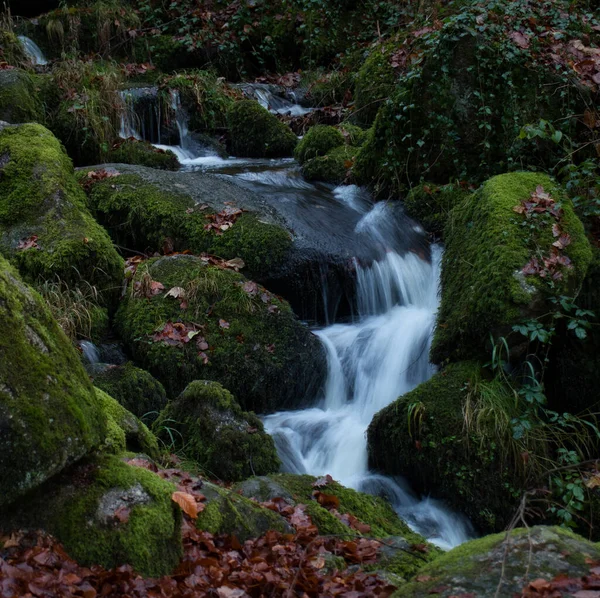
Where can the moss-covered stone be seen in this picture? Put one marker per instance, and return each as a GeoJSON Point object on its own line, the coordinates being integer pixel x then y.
{"type": "Point", "coordinates": [45, 227]}
{"type": "Point", "coordinates": [319, 140]}
{"type": "Point", "coordinates": [432, 447]}
{"type": "Point", "coordinates": [256, 347]}
{"type": "Point", "coordinates": [19, 102]}
{"type": "Point", "coordinates": [142, 216]}
{"type": "Point", "coordinates": [334, 167]}
{"type": "Point", "coordinates": [124, 430]}
{"type": "Point", "coordinates": [105, 512]}
{"type": "Point", "coordinates": [256, 133]}
{"type": "Point", "coordinates": [488, 245]}
{"type": "Point", "coordinates": [375, 82]}
{"type": "Point", "coordinates": [439, 124]}
{"type": "Point", "coordinates": [209, 426]}
{"type": "Point", "coordinates": [226, 512]}
{"type": "Point", "coordinates": [431, 204]}
{"type": "Point", "coordinates": [135, 389]}
{"type": "Point", "coordinates": [132, 151]}
{"type": "Point", "coordinates": [49, 414]}
{"type": "Point", "coordinates": [353, 134]}
{"type": "Point", "coordinates": [503, 564]}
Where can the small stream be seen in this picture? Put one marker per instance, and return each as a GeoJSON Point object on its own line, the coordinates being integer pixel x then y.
{"type": "Point", "coordinates": [377, 353]}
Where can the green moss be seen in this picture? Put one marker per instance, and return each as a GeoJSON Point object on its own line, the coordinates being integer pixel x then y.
{"type": "Point", "coordinates": [208, 426]}
{"type": "Point", "coordinates": [319, 140]}
{"type": "Point", "coordinates": [19, 102]}
{"type": "Point", "coordinates": [40, 197]}
{"type": "Point", "coordinates": [229, 513]}
{"type": "Point", "coordinates": [45, 394]}
{"type": "Point", "coordinates": [125, 430]}
{"type": "Point", "coordinates": [141, 216]}
{"type": "Point", "coordinates": [255, 133]}
{"type": "Point", "coordinates": [431, 205]}
{"type": "Point", "coordinates": [325, 89]}
{"type": "Point", "coordinates": [334, 167]}
{"type": "Point", "coordinates": [144, 154]}
{"type": "Point", "coordinates": [487, 246]}
{"type": "Point", "coordinates": [375, 81]}
{"type": "Point", "coordinates": [82, 509]}
{"type": "Point", "coordinates": [470, 468]}
{"type": "Point", "coordinates": [265, 357]}
{"type": "Point", "coordinates": [11, 50]}
{"type": "Point", "coordinates": [135, 389]}
{"type": "Point", "coordinates": [503, 563]}
{"type": "Point", "coordinates": [206, 98]}
{"type": "Point", "coordinates": [354, 135]}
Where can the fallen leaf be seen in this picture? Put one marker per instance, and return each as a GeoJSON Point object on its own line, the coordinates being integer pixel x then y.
{"type": "Point", "coordinates": [187, 502]}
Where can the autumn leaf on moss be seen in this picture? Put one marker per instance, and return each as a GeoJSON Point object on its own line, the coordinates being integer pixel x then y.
{"type": "Point", "coordinates": [187, 503]}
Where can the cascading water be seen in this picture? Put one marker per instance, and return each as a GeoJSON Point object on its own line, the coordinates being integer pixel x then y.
{"type": "Point", "coordinates": [264, 95]}
{"type": "Point", "coordinates": [33, 51]}
{"type": "Point", "coordinates": [372, 361]}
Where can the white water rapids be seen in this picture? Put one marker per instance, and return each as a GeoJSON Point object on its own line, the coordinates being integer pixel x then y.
{"type": "Point", "coordinates": [371, 362]}
{"type": "Point", "coordinates": [32, 50]}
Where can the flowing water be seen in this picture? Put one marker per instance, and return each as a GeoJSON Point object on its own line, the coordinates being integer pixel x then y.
{"type": "Point", "coordinates": [380, 354]}
{"type": "Point", "coordinates": [33, 51]}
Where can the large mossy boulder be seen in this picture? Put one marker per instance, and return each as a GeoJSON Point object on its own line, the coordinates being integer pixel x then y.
{"type": "Point", "coordinates": [445, 454]}
{"type": "Point", "coordinates": [227, 512]}
{"type": "Point", "coordinates": [334, 167]}
{"type": "Point", "coordinates": [256, 133]}
{"type": "Point", "coordinates": [19, 102]}
{"type": "Point", "coordinates": [219, 326]}
{"type": "Point", "coordinates": [135, 389]}
{"type": "Point", "coordinates": [106, 512]}
{"type": "Point", "coordinates": [45, 227]}
{"type": "Point", "coordinates": [510, 247]}
{"type": "Point", "coordinates": [124, 431]}
{"type": "Point", "coordinates": [439, 124]}
{"type": "Point", "coordinates": [505, 564]}
{"type": "Point", "coordinates": [49, 413]}
{"type": "Point", "coordinates": [319, 140]}
{"type": "Point", "coordinates": [144, 216]}
{"type": "Point", "coordinates": [208, 426]}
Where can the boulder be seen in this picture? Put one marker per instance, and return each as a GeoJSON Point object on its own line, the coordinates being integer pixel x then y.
{"type": "Point", "coordinates": [505, 564]}
{"type": "Point", "coordinates": [219, 326]}
{"type": "Point", "coordinates": [334, 167]}
{"type": "Point", "coordinates": [135, 389]}
{"type": "Point", "coordinates": [45, 227]}
{"type": "Point", "coordinates": [504, 260]}
{"type": "Point", "coordinates": [319, 140]}
{"type": "Point", "coordinates": [132, 151]}
{"type": "Point", "coordinates": [207, 425]}
{"type": "Point", "coordinates": [19, 102]}
{"type": "Point", "coordinates": [49, 414]}
{"type": "Point", "coordinates": [469, 467]}
{"type": "Point", "coordinates": [256, 133]}
{"type": "Point", "coordinates": [141, 214]}
{"type": "Point", "coordinates": [124, 430]}
{"type": "Point", "coordinates": [106, 512]}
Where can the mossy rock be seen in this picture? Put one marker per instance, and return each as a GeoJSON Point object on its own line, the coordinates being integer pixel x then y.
{"type": "Point", "coordinates": [11, 51]}
{"type": "Point", "coordinates": [433, 449]}
{"type": "Point", "coordinates": [256, 133]}
{"type": "Point", "coordinates": [257, 348]}
{"type": "Point", "coordinates": [105, 512]}
{"type": "Point", "coordinates": [132, 151]}
{"type": "Point", "coordinates": [227, 512]}
{"type": "Point", "coordinates": [19, 102]}
{"type": "Point", "coordinates": [125, 432]}
{"type": "Point", "coordinates": [319, 140]}
{"type": "Point", "coordinates": [45, 227]}
{"type": "Point", "coordinates": [504, 564]}
{"type": "Point", "coordinates": [49, 414]}
{"type": "Point", "coordinates": [209, 427]}
{"type": "Point", "coordinates": [484, 288]}
{"type": "Point", "coordinates": [135, 389]}
{"type": "Point", "coordinates": [437, 124]}
{"type": "Point", "coordinates": [385, 524]}
{"type": "Point", "coordinates": [141, 215]}
{"type": "Point", "coordinates": [431, 204]}
{"type": "Point", "coordinates": [334, 167]}
{"type": "Point", "coordinates": [375, 81]}
{"type": "Point", "coordinates": [354, 135]}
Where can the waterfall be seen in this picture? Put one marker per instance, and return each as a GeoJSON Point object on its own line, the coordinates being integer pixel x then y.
{"type": "Point", "coordinates": [90, 352]}
{"type": "Point", "coordinates": [372, 361]}
{"type": "Point", "coordinates": [141, 115]}
{"type": "Point", "coordinates": [33, 51]}
{"type": "Point", "coordinates": [263, 94]}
